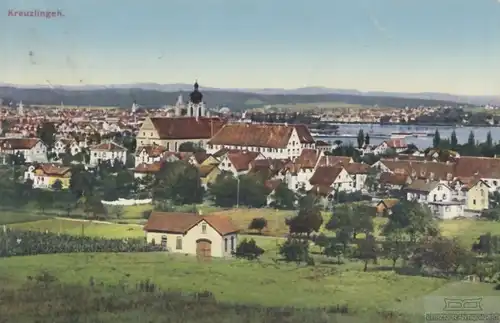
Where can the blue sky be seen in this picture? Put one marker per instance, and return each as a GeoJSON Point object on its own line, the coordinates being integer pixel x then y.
{"type": "Point", "coordinates": [448, 46]}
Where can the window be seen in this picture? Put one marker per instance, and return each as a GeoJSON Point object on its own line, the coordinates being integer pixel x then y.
{"type": "Point", "coordinates": [178, 244]}
{"type": "Point", "coordinates": [232, 243]}
{"type": "Point", "coordinates": [144, 134]}
{"type": "Point", "coordinates": [204, 228]}
{"type": "Point", "coordinates": [482, 192]}
{"type": "Point", "coordinates": [444, 196]}
{"type": "Point", "coordinates": [228, 164]}
{"type": "Point", "coordinates": [164, 242]}
{"type": "Point", "coordinates": [153, 242]}
{"type": "Point", "coordinates": [447, 209]}
{"type": "Point", "coordinates": [225, 244]}
{"type": "Point", "coordinates": [474, 202]}
{"type": "Point", "coordinates": [495, 183]}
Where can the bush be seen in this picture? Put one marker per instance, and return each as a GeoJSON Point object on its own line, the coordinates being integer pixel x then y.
{"type": "Point", "coordinates": [23, 243]}
{"type": "Point", "coordinates": [248, 249]}
{"type": "Point", "coordinates": [146, 214]}
{"type": "Point", "coordinates": [258, 224]}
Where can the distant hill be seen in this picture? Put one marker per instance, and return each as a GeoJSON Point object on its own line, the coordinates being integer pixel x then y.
{"type": "Point", "coordinates": [157, 95]}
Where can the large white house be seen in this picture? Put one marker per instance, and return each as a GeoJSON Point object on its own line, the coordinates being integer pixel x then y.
{"type": "Point", "coordinates": [107, 151]}
{"type": "Point", "coordinates": [190, 233]}
{"type": "Point", "coordinates": [276, 141]}
{"type": "Point", "coordinates": [33, 149]}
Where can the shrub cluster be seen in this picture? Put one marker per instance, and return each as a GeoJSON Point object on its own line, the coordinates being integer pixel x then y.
{"type": "Point", "coordinates": [24, 243]}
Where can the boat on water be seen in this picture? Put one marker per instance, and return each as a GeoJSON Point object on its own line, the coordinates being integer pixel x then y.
{"type": "Point", "coordinates": [401, 135]}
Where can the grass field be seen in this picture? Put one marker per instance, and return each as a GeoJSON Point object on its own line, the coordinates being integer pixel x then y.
{"type": "Point", "coordinates": [232, 281]}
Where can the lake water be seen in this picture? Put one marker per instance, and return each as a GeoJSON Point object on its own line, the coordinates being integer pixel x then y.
{"type": "Point", "coordinates": [480, 133]}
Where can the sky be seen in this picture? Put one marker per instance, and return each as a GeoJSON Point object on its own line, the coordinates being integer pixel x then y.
{"type": "Point", "coordinates": [448, 46]}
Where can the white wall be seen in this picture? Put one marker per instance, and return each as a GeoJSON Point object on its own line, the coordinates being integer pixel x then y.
{"type": "Point", "coordinates": [190, 238]}
{"type": "Point", "coordinates": [125, 202]}
{"type": "Point", "coordinates": [95, 155]}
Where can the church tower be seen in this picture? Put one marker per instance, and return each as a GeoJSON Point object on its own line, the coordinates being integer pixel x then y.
{"type": "Point", "coordinates": [196, 106]}
{"type": "Point", "coordinates": [179, 106]}
{"type": "Point", "coordinates": [20, 109]}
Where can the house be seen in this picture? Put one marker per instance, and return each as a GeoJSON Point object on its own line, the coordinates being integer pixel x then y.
{"type": "Point", "coordinates": [359, 173]}
{"type": "Point", "coordinates": [33, 149]}
{"type": "Point", "coordinates": [190, 233]}
{"type": "Point", "coordinates": [335, 178]}
{"type": "Point", "coordinates": [272, 185]}
{"type": "Point", "coordinates": [299, 173]}
{"type": "Point", "coordinates": [45, 175]}
{"type": "Point", "coordinates": [393, 181]}
{"type": "Point", "coordinates": [485, 168]}
{"type": "Point", "coordinates": [447, 210]}
{"type": "Point", "coordinates": [238, 162]}
{"type": "Point", "coordinates": [143, 170]}
{"type": "Point", "coordinates": [323, 146]}
{"type": "Point", "coordinates": [397, 144]}
{"type": "Point", "coordinates": [386, 205]}
{"type": "Point", "coordinates": [107, 152]}
{"type": "Point", "coordinates": [477, 195]}
{"type": "Point", "coordinates": [208, 174]}
{"type": "Point", "coordinates": [149, 154]}
{"type": "Point", "coordinates": [277, 141]}
{"type": "Point", "coordinates": [198, 158]}
{"type": "Point", "coordinates": [173, 132]}
{"type": "Point", "coordinates": [419, 190]}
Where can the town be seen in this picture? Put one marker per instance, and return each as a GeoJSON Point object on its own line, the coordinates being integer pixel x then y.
{"type": "Point", "coordinates": [223, 191]}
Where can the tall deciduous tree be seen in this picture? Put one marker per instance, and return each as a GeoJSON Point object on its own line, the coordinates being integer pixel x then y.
{"type": "Point", "coordinates": [309, 217]}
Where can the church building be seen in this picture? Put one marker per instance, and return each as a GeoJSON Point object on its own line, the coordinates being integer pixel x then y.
{"type": "Point", "coordinates": [190, 123]}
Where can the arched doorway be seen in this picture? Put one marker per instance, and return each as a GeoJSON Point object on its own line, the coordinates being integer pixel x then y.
{"type": "Point", "coordinates": [203, 248]}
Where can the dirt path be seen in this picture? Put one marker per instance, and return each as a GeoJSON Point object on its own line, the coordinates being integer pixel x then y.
{"type": "Point", "coordinates": [96, 221]}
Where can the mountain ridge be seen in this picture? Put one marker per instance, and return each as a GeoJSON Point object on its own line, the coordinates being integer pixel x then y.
{"type": "Point", "coordinates": [309, 90]}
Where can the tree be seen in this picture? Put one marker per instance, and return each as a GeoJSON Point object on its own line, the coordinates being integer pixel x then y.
{"type": "Point", "coordinates": [491, 214]}
{"type": "Point", "coordinates": [335, 248]}
{"type": "Point", "coordinates": [352, 218]}
{"type": "Point", "coordinates": [309, 217]}
{"type": "Point", "coordinates": [396, 247]}
{"type": "Point", "coordinates": [284, 198]}
{"type": "Point", "coordinates": [412, 219]}
{"type": "Point", "coordinates": [248, 190]}
{"type": "Point", "coordinates": [440, 253]}
{"type": "Point", "coordinates": [471, 142]}
{"type": "Point", "coordinates": [295, 250]}
{"type": "Point", "coordinates": [437, 139]}
{"type": "Point", "coordinates": [487, 244]}
{"type": "Point", "coordinates": [453, 140]}
{"type": "Point", "coordinates": [44, 200]}
{"type": "Point", "coordinates": [361, 138]}
{"type": "Point", "coordinates": [47, 133]}
{"type": "Point", "coordinates": [190, 147]}
{"type": "Point", "coordinates": [179, 182]}
{"type": "Point", "coordinates": [117, 210]}
{"type": "Point", "coordinates": [367, 250]}
{"type": "Point", "coordinates": [258, 224]}
{"type": "Point", "coordinates": [489, 141]}
{"type": "Point", "coordinates": [57, 185]}
{"type": "Point", "coordinates": [367, 139]}
{"type": "Point", "coordinates": [93, 205]}
{"type": "Point", "coordinates": [248, 249]}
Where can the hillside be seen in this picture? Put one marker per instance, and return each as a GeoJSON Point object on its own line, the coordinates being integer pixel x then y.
{"type": "Point", "coordinates": [235, 100]}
